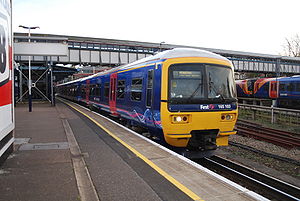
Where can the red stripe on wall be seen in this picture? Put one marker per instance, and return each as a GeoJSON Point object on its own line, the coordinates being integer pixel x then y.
{"type": "Point", "coordinates": [6, 94]}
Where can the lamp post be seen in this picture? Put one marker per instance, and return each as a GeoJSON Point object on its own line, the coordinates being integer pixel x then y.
{"type": "Point", "coordinates": [29, 69]}
{"type": "Point", "coordinates": [160, 45]}
{"type": "Point", "coordinates": [277, 71]}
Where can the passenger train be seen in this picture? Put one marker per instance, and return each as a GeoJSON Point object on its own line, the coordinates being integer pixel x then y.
{"type": "Point", "coordinates": [286, 90]}
{"type": "Point", "coordinates": [185, 98]}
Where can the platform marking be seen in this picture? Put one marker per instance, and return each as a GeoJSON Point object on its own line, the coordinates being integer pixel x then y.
{"type": "Point", "coordinates": [85, 185]}
{"type": "Point", "coordinates": [180, 186]}
{"type": "Point", "coordinates": [227, 181]}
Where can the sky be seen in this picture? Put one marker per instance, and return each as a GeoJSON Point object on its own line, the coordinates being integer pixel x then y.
{"type": "Point", "coordinates": [259, 26]}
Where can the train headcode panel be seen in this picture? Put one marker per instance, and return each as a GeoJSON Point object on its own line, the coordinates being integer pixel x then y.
{"type": "Point", "coordinates": [6, 81]}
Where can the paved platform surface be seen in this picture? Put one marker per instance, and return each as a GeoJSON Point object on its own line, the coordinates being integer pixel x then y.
{"type": "Point", "coordinates": [62, 155]}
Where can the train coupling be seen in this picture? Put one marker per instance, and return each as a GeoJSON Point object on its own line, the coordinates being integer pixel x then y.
{"type": "Point", "coordinates": [203, 140]}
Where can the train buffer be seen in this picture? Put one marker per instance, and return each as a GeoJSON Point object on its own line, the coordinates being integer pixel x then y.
{"type": "Point", "coordinates": [67, 152]}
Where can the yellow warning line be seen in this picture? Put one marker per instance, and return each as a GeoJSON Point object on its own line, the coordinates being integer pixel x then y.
{"type": "Point", "coordinates": [184, 189]}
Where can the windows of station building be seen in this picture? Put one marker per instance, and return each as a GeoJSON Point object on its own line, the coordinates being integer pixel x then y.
{"type": "Point", "coordinates": [121, 89]}
{"type": "Point", "coordinates": [106, 89]}
{"type": "Point", "coordinates": [136, 89]}
{"type": "Point", "coordinates": [90, 46]}
{"type": "Point", "coordinates": [110, 47]}
{"type": "Point", "coordinates": [83, 45]}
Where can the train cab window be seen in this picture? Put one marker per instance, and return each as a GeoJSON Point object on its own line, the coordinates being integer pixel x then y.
{"type": "Point", "coordinates": [136, 89]}
{"type": "Point", "coordinates": [194, 83]}
{"type": "Point", "coordinates": [266, 87]}
{"type": "Point", "coordinates": [106, 89]}
{"type": "Point", "coordinates": [149, 88]}
{"type": "Point", "coordinates": [121, 89]}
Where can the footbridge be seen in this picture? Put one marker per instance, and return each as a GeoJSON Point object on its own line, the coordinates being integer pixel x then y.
{"type": "Point", "coordinates": [87, 51]}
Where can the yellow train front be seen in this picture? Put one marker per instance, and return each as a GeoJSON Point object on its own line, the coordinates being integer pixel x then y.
{"type": "Point", "coordinates": [198, 101]}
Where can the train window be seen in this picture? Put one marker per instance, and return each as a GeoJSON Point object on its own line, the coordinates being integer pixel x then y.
{"type": "Point", "coordinates": [76, 90]}
{"type": "Point", "coordinates": [136, 89]}
{"type": "Point", "coordinates": [83, 93]}
{"type": "Point", "coordinates": [297, 87]}
{"type": "Point", "coordinates": [121, 89]}
{"type": "Point", "coordinates": [92, 90]}
{"type": "Point", "coordinates": [106, 89]}
{"type": "Point", "coordinates": [282, 87]}
{"type": "Point", "coordinates": [97, 90]}
{"type": "Point", "coordinates": [292, 87]}
{"type": "Point", "coordinates": [149, 88]}
{"type": "Point", "coordinates": [265, 87]}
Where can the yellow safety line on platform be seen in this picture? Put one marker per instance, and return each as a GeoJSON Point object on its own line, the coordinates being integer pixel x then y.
{"type": "Point", "coordinates": [184, 189]}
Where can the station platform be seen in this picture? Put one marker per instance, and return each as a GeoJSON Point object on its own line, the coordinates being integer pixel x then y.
{"type": "Point", "coordinates": [67, 152]}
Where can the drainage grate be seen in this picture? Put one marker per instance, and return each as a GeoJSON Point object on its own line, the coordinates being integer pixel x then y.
{"type": "Point", "coordinates": [44, 146]}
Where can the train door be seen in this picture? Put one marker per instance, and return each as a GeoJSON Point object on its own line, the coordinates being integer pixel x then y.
{"type": "Point", "coordinates": [250, 87]}
{"type": "Point", "coordinates": [112, 93]}
{"type": "Point", "coordinates": [149, 98]}
{"type": "Point", "coordinates": [273, 91]}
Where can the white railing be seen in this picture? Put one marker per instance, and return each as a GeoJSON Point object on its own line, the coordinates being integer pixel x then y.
{"type": "Point", "coordinates": [275, 114]}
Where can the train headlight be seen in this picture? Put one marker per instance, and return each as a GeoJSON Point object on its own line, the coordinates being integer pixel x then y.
{"type": "Point", "coordinates": [227, 117]}
{"type": "Point", "coordinates": [178, 119]}
{"type": "Point", "coordinates": [175, 119]}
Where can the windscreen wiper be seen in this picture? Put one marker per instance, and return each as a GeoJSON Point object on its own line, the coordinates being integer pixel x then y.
{"type": "Point", "coordinates": [218, 94]}
{"type": "Point", "coordinates": [195, 92]}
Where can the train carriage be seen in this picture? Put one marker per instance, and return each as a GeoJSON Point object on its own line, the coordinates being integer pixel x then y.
{"type": "Point", "coordinates": [184, 97]}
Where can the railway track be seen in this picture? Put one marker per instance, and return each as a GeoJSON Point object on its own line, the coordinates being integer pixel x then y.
{"type": "Point", "coordinates": [269, 187]}
{"type": "Point", "coordinates": [281, 138]}
{"type": "Point", "coordinates": [245, 147]}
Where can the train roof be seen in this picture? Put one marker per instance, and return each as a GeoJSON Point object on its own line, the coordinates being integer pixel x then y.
{"type": "Point", "coordinates": [168, 54]}
{"type": "Point", "coordinates": [293, 78]}
{"type": "Point", "coordinates": [179, 52]}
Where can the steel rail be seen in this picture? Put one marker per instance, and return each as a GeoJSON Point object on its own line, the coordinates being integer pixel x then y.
{"type": "Point", "coordinates": [242, 146]}
{"type": "Point", "coordinates": [281, 138]}
{"type": "Point", "coordinates": [269, 187]}
{"type": "Point", "coordinates": [256, 125]}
